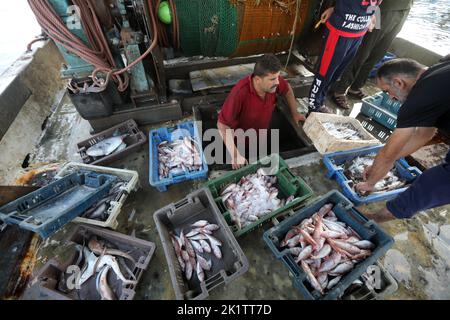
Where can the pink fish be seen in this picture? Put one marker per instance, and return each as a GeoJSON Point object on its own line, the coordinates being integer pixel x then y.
{"type": "Point", "coordinates": [312, 280]}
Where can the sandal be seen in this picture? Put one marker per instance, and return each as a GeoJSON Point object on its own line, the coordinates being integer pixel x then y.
{"type": "Point", "coordinates": [357, 94]}
{"type": "Point", "coordinates": [341, 101]}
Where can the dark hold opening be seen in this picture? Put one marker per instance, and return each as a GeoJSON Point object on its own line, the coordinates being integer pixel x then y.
{"type": "Point", "coordinates": [290, 144]}
{"type": "Point", "coordinates": [26, 161]}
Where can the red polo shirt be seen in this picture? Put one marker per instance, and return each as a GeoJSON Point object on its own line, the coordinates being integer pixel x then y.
{"type": "Point", "coordinates": [244, 109]}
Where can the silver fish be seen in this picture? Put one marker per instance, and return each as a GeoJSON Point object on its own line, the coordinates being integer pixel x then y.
{"type": "Point", "coordinates": [206, 265]}
{"type": "Point", "coordinates": [105, 147]}
{"type": "Point", "coordinates": [188, 271]}
{"type": "Point", "coordinates": [200, 224]}
{"type": "Point", "coordinates": [215, 246]}
{"type": "Point", "coordinates": [364, 244]}
{"type": "Point", "coordinates": [345, 131]}
{"type": "Point", "coordinates": [112, 262]}
{"type": "Point", "coordinates": [333, 282]}
{"type": "Point", "coordinates": [325, 251]}
{"type": "Point", "coordinates": [103, 288]}
{"type": "Point", "coordinates": [206, 247]}
{"type": "Point", "coordinates": [304, 254]}
{"type": "Point", "coordinates": [312, 280]}
{"type": "Point", "coordinates": [342, 268]}
{"type": "Point", "coordinates": [197, 246]}
{"type": "Point", "coordinates": [200, 273]}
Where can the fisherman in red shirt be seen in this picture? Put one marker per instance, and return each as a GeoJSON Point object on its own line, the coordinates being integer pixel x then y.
{"type": "Point", "coordinates": [251, 102]}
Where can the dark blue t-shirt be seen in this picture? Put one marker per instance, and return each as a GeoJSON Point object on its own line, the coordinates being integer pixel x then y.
{"type": "Point", "coordinates": [353, 16]}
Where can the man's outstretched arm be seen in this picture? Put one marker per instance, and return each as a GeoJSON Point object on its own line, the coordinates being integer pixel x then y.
{"type": "Point", "coordinates": [385, 159]}
{"type": "Point", "coordinates": [228, 138]}
{"type": "Point", "coordinates": [293, 104]}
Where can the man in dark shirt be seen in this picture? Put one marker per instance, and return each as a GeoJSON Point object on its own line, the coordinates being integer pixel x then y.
{"type": "Point", "coordinates": [426, 107]}
{"type": "Point", "coordinates": [373, 48]}
{"type": "Point", "coordinates": [251, 102]}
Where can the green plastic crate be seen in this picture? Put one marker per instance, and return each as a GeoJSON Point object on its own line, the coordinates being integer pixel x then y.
{"type": "Point", "coordinates": [288, 184]}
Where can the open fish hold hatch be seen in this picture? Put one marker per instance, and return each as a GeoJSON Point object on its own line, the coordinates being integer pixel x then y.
{"type": "Point", "coordinates": [291, 142]}
{"type": "Point", "coordinates": [46, 210]}
{"type": "Point", "coordinates": [179, 216]}
{"type": "Point", "coordinates": [287, 184]}
{"type": "Point", "coordinates": [130, 183]}
{"type": "Point", "coordinates": [345, 212]}
{"type": "Point", "coordinates": [52, 275]}
{"type": "Point", "coordinates": [333, 162]}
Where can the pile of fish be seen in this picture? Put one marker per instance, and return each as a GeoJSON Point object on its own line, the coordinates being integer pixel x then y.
{"type": "Point", "coordinates": [354, 170]}
{"type": "Point", "coordinates": [344, 131]}
{"type": "Point", "coordinates": [189, 248]}
{"type": "Point", "coordinates": [100, 259]}
{"type": "Point", "coordinates": [254, 196]}
{"type": "Point", "coordinates": [108, 146]}
{"type": "Point", "coordinates": [99, 210]}
{"type": "Point", "coordinates": [178, 156]}
{"type": "Point", "coordinates": [325, 248]}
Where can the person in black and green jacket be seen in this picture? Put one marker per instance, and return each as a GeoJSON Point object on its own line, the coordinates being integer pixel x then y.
{"type": "Point", "coordinates": [373, 49]}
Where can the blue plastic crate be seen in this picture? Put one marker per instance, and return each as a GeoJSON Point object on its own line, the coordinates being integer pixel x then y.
{"type": "Point", "coordinates": [345, 212]}
{"type": "Point", "coordinates": [332, 162]}
{"type": "Point", "coordinates": [379, 108]}
{"type": "Point", "coordinates": [388, 56]}
{"type": "Point", "coordinates": [390, 104]}
{"type": "Point", "coordinates": [46, 210]}
{"type": "Point", "coordinates": [168, 134]}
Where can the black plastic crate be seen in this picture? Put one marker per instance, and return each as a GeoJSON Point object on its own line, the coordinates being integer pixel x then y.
{"type": "Point", "coordinates": [199, 205]}
{"type": "Point", "coordinates": [135, 138]}
{"type": "Point", "coordinates": [142, 252]}
{"type": "Point", "coordinates": [345, 212]}
{"type": "Point", "coordinates": [376, 129]}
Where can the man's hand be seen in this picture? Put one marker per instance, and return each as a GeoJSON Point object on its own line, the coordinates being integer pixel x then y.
{"type": "Point", "coordinates": [373, 23]}
{"type": "Point", "coordinates": [364, 188]}
{"type": "Point", "coordinates": [366, 172]}
{"type": "Point", "coordinates": [297, 116]}
{"type": "Point", "coordinates": [326, 15]}
{"type": "Point", "coordinates": [238, 161]}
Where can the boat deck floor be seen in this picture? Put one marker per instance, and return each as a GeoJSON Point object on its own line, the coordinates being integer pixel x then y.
{"type": "Point", "coordinates": [419, 259]}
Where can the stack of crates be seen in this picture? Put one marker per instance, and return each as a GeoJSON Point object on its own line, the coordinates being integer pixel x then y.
{"type": "Point", "coordinates": [382, 109]}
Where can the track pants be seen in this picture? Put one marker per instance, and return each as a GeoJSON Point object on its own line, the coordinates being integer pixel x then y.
{"type": "Point", "coordinates": [431, 189]}
{"type": "Point", "coordinates": [340, 48]}
{"type": "Point", "coordinates": [373, 48]}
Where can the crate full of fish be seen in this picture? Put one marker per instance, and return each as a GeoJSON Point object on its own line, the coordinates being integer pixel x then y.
{"type": "Point", "coordinates": [112, 144]}
{"type": "Point", "coordinates": [105, 211]}
{"type": "Point", "coordinates": [330, 133]}
{"type": "Point", "coordinates": [252, 195]}
{"type": "Point", "coordinates": [327, 246]}
{"type": "Point", "coordinates": [97, 264]}
{"type": "Point", "coordinates": [200, 249]}
{"type": "Point", "coordinates": [382, 109]}
{"type": "Point", "coordinates": [176, 155]}
{"type": "Point", "coordinates": [347, 167]}
{"type": "Point", "coordinates": [49, 208]}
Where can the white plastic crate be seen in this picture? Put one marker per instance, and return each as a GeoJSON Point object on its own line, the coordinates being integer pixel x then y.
{"type": "Point", "coordinates": [131, 177]}
{"type": "Point", "coordinates": [325, 142]}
